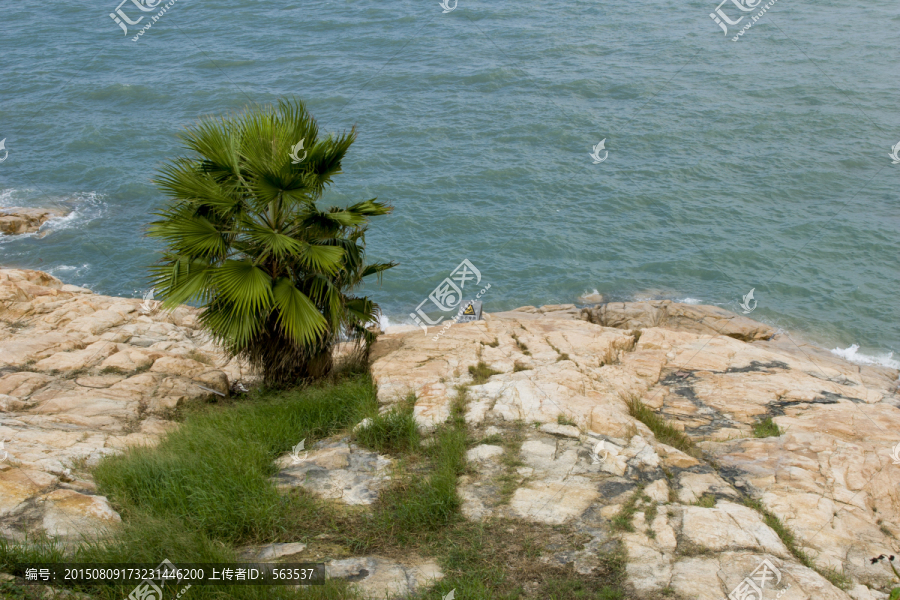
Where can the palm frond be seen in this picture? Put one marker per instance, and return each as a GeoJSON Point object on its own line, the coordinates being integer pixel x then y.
{"type": "Point", "coordinates": [245, 239]}
{"type": "Point", "coordinates": [297, 315]}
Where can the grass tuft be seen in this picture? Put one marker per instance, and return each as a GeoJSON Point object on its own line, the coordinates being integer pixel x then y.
{"type": "Point", "coordinates": [837, 578]}
{"type": "Point", "coordinates": [562, 419]}
{"type": "Point", "coordinates": [522, 347]}
{"type": "Point", "coordinates": [706, 501]}
{"type": "Point", "coordinates": [786, 535]}
{"type": "Point", "coordinates": [766, 428]}
{"type": "Point", "coordinates": [200, 357]}
{"type": "Point", "coordinates": [664, 432]}
{"type": "Point", "coordinates": [212, 473]}
{"type": "Point", "coordinates": [481, 372]}
{"type": "Point", "coordinates": [392, 432]}
{"type": "Point", "coordinates": [622, 521]}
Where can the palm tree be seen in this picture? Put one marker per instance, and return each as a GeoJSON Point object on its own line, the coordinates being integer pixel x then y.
{"type": "Point", "coordinates": [246, 240]}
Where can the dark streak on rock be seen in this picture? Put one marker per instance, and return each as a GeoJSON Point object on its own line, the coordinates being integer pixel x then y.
{"type": "Point", "coordinates": [363, 573]}
{"type": "Point", "coordinates": [611, 488]}
{"type": "Point", "coordinates": [759, 367]}
{"type": "Point", "coordinates": [776, 409]}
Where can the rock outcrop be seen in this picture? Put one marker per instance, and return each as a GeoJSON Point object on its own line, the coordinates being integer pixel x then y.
{"type": "Point", "coordinates": [336, 469]}
{"type": "Point", "coordinates": [81, 376]}
{"type": "Point", "coordinates": [696, 522]}
{"type": "Point", "coordinates": [783, 466]}
{"type": "Point", "coordinates": [15, 221]}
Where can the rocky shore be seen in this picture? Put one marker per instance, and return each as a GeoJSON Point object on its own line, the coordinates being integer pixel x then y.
{"type": "Point", "coordinates": [700, 522]}
{"type": "Point", "coordinates": [83, 375]}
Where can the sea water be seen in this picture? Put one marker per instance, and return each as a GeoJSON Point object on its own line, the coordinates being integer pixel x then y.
{"type": "Point", "coordinates": [727, 166]}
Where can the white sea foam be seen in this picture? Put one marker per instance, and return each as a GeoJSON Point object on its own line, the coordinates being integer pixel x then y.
{"type": "Point", "coordinates": [67, 271]}
{"type": "Point", "coordinates": [84, 207]}
{"type": "Point", "coordinates": [690, 301]}
{"type": "Point", "coordinates": [8, 197]}
{"type": "Point", "coordinates": [81, 207]}
{"type": "Point", "coordinates": [853, 354]}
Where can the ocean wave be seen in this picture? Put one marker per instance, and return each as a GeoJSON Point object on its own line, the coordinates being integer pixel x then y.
{"type": "Point", "coordinates": [81, 208]}
{"type": "Point", "coordinates": [84, 207]}
{"type": "Point", "coordinates": [853, 354]}
{"type": "Point", "coordinates": [8, 197]}
{"type": "Point", "coordinates": [65, 273]}
{"type": "Point", "coordinates": [384, 322]}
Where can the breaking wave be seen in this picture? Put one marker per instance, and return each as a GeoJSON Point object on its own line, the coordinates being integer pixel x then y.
{"type": "Point", "coordinates": [853, 354]}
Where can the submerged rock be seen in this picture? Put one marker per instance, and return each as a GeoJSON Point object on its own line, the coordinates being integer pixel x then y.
{"type": "Point", "coordinates": [16, 220]}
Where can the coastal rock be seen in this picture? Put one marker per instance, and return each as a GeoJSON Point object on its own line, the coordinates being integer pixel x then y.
{"type": "Point", "coordinates": [590, 298]}
{"type": "Point", "coordinates": [17, 220]}
{"type": "Point", "coordinates": [74, 388]}
{"type": "Point", "coordinates": [701, 519]}
{"type": "Point", "coordinates": [689, 493]}
{"type": "Point", "coordinates": [702, 319]}
{"type": "Point", "coordinates": [271, 552]}
{"type": "Point", "coordinates": [379, 577]}
{"type": "Point", "coordinates": [336, 469]}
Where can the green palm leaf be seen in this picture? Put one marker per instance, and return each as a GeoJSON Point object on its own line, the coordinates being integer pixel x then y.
{"type": "Point", "coordinates": [245, 285]}
{"type": "Point", "coordinates": [297, 315]}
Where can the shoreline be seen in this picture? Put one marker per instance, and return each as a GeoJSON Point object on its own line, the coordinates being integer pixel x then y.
{"type": "Point", "coordinates": [717, 421]}
{"type": "Point", "coordinates": [856, 352]}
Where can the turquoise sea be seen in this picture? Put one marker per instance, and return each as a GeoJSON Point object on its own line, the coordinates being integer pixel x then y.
{"type": "Point", "coordinates": [758, 164]}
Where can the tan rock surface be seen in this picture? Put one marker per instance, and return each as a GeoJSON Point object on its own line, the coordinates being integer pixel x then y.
{"type": "Point", "coordinates": [379, 577]}
{"type": "Point", "coordinates": [335, 469]}
{"type": "Point", "coordinates": [83, 376]}
{"type": "Point", "coordinates": [712, 374]}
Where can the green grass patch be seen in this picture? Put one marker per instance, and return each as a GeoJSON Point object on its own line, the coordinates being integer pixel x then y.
{"type": "Point", "coordinates": [394, 431]}
{"type": "Point", "coordinates": [837, 578]}
{"type": "Point", "coordinates": [500, 560]}
{"type": "Point", "coordinates": [564, 589]}
{"type": "Point", "coordinates": [622, 521]}
{"type": "Point", "coordinates": [521, 345]}
{"type": "Point", "coordinates": [417, 504]}
{"type": "Point", "coordinates": [706, 501]}
{"type": "Point", "coordinates": [510, 460]}
{"type": "Point", "coordinates": [766, 428]}
{"type": "Point", "coordinates": [517, 366]}
{"type": "Point", "coordinates": [481, 372]}
{"type": "Point", "coordinates": [562, 419]}
{"type": "Point", "coordinates": [212, 473]}
{"type": "Point", "coordinates": [664, 432]}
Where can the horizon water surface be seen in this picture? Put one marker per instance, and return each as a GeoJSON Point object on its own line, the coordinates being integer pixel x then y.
{"type": "Point", "coordinates": [758, 164]}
